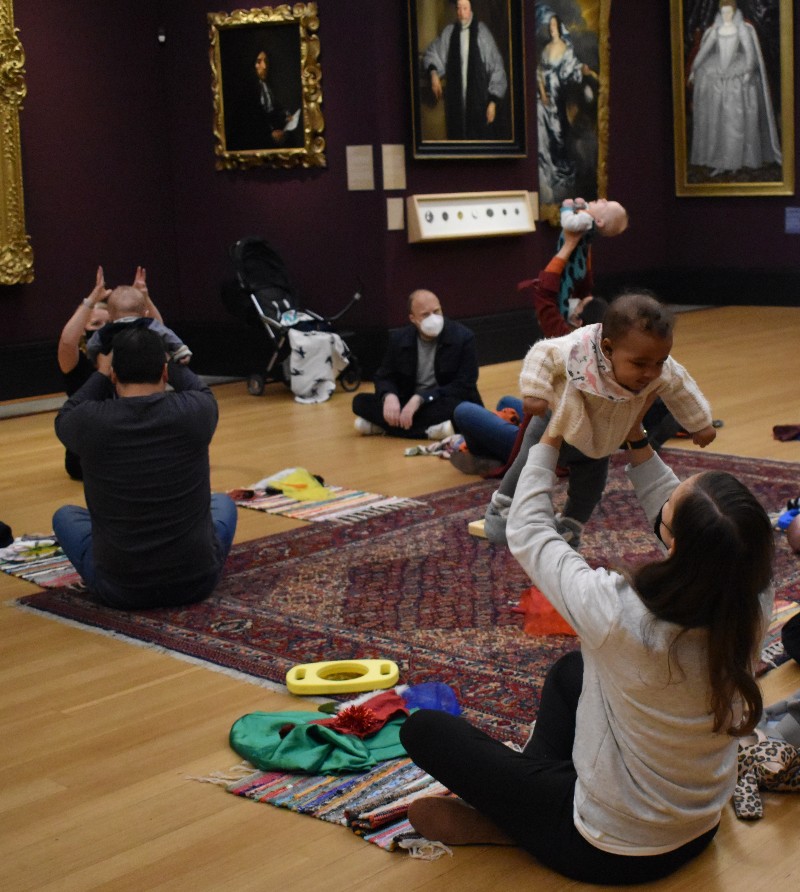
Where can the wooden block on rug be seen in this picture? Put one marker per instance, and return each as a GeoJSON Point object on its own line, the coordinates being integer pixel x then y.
{"type": "Point", "coordinates": [476, 529]}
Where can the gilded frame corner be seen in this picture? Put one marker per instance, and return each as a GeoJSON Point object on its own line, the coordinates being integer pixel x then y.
{"type": "Point", "coordinates": [286, 35]}
{"type": "Point", "coordinates": [775, 36]}
{"type": "Point", "coordinates": [16, 254]}
{"type": "Point", "coordinates": [592, 26]}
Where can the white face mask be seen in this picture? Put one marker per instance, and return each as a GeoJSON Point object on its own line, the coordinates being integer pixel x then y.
{"type": "Point", "coordinates": [432, 325]}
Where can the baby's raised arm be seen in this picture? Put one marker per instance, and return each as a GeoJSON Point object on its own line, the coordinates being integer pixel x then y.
{"type": "Point", "coordinates": [683, 397]}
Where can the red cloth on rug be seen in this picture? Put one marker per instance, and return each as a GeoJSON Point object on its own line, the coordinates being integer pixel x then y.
{"type": "Point", "coordinates": [541, 618]}
{"type": "Point", "coordinates": [363, 719]}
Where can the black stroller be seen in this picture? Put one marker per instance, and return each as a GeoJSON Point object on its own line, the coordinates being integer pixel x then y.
{"type": "Point", "coordinates": [263, 296]}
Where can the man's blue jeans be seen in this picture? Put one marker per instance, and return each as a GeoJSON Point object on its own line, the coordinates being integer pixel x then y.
{"type": "Point", "coordinates": [486, 434]}
{"type": "Point", "coordinates": [72, 526]}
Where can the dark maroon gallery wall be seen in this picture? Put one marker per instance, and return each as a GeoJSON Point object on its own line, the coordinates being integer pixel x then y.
{"type": "Point", "coordinates": [118, 165]}
{"type": "Point", "coordinates": [97, 183]}
{"type": "Point", "coordinates": [702, 250]}
{"type": "Point", "coordinates": [330, 236]}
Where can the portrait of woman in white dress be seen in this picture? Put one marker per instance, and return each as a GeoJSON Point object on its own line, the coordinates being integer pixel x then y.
{"type": "Point", "coordinates": [733, 121]}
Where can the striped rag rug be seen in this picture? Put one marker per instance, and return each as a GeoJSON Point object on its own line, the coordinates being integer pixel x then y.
{"type": "Point", "coordinates": [38, 559]}
{"type": "Point", "coordinates": [373, 804]}
{"type": "Point", "coordinates": [346, 505]}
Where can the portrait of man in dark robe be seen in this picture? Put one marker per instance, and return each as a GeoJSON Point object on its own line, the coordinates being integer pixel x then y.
{"type": "Point", "coordinates": [466, 72]}
{"type": "Point", "coordinates": [261, 88]}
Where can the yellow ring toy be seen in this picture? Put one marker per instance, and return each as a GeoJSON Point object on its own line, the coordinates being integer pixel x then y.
{"type": "Point", "coordinates": [342, 676]}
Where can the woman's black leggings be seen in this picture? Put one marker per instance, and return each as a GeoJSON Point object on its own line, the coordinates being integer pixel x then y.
{"type": "Point", "coordinates": [530, 794]}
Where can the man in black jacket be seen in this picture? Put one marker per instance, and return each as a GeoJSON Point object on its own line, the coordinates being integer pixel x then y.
{"type": "Point", "coordinates": [430, 367]}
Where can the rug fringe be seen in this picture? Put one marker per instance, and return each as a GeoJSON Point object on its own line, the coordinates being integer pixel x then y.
{"type": "Point", "coordinates": [238, 675]}
{"type": "Point", "coordinates": [226, 778]}
{"type": "Point", "coordinates": [424, 849]}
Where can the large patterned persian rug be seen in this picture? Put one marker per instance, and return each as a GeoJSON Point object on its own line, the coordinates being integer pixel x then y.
{"type": "Point", "coordinates": [414, 587]}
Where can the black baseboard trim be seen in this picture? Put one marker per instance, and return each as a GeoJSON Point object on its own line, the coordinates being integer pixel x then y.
{"type": "Point", "coordinates": [29, 370]}
{"type": "Point", "coordinates": [232, 349]}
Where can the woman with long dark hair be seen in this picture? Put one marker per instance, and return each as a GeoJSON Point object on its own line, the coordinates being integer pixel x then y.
{"type": "Point", "coordinates": [633, 754]}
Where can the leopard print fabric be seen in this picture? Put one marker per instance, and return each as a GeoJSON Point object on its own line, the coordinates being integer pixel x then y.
{"type": "Point", "coordinates": [764, 763]}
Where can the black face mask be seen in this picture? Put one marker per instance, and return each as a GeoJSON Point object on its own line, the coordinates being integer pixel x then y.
{"type": "Point", "coordinates": [657, 527]}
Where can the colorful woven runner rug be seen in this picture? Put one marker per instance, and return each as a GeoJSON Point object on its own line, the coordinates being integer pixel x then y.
{"type": "Point", "coordinates": [38, 559]}
{"type": "Point", "coordinates": [372, 804]}
{"type": "Point", "coordinates": [414, 587]}
{"type": "Point", "coordinates": [346, 505]}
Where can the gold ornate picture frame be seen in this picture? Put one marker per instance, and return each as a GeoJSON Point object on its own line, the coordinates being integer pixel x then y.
{"type": "Point", "coordinates": [266, 87]}
{"type": "Point", "coordinates": [16, 254]}
{"type": "Point", "coordinates": [571, 84]}
{"type": "Point", "coordinates": [733, 95]}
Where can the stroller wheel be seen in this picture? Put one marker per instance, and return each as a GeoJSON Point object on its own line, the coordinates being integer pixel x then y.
{"type": "Point", "coordinates": [255, 385]}
{"type": "Point", "coordinates": [350, 378]}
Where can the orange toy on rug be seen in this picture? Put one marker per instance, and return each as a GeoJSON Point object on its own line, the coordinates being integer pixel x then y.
{"type": "Point", "coordinates": [541, 618]}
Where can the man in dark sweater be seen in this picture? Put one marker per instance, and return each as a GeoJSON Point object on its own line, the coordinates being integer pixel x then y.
{"type": "Point", "coordinates": [153, 534]}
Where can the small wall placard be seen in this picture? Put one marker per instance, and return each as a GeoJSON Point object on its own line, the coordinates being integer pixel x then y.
{"type": "Point", "coordinates": [469, 215]}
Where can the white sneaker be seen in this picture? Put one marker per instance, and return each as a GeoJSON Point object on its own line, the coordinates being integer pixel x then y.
{"type": "Point", "coordinates": [366, 428]}
{"type": "Point", "coordinates": [440, 431]}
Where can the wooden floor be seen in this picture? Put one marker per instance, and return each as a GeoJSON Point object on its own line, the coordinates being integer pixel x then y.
{"type": "Point", "coordinates": [99, 736]}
